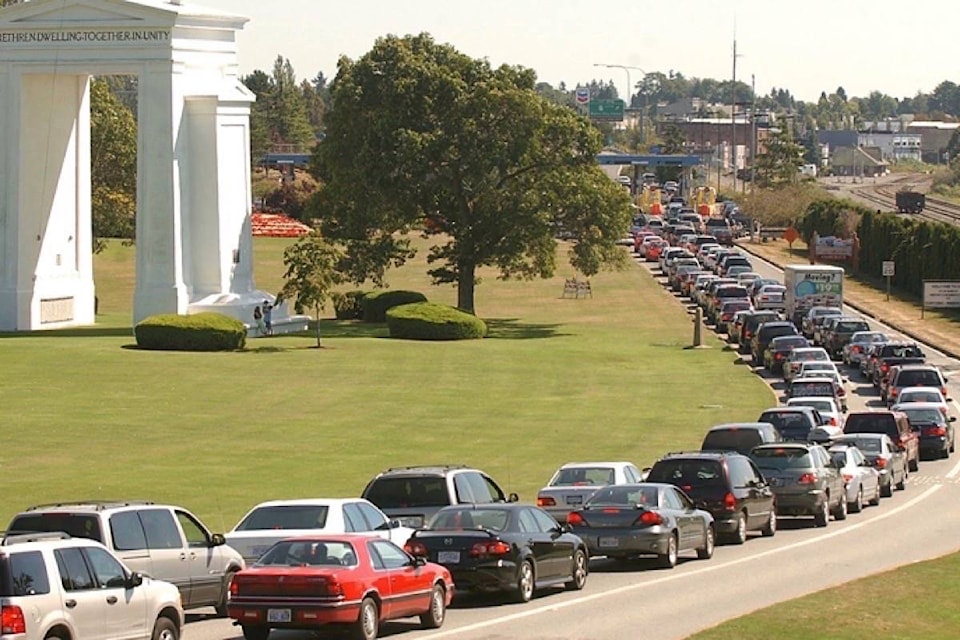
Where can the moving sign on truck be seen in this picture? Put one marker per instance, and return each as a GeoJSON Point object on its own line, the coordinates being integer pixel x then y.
{"type": "Point", "coordinates": [811, 286]}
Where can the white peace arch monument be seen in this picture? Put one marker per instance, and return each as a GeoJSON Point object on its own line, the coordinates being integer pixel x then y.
{"type": "Point", "coordinates": [194, 243]}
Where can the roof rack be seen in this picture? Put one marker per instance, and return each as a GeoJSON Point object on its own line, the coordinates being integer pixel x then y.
{"type": "Point", "coordinates": [38, 536]}
{"type": "Point", "coordinates": [100, 505]}
{"type": "Point", "coordinates": [428, 466]}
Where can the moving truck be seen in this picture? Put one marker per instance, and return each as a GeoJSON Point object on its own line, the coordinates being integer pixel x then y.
{"type": "Point", "coordinates": [813, 285]}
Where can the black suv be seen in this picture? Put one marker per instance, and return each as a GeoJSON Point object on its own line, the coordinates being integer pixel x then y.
{"type": "Point", "coordinates": [806, 480]}
{"type": "Point", "coordinates": [414, 494]}
{"type": "Point", "coordinates": [725, 483]}
{"type": "Point", "coordinates": [767, 332]}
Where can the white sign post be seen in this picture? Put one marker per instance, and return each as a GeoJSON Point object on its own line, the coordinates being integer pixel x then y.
{"type": "Point", "coordinates": [889, 270]}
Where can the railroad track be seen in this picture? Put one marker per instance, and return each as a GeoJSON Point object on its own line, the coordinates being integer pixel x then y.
{"type": "Point", "coordinates": [934, 210]}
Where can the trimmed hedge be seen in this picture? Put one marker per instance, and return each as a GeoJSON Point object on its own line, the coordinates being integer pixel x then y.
{"type": "Point", "coordinates": [201, 332]}
{"type": "Point", "coordinates": [377, 303]}
{"type": "Point", "coordinates": [432, 321]}
{"type": "Point", "coordinates": [348, 305]}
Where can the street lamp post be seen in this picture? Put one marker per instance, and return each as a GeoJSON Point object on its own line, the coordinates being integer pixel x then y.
{"type": "Point", "coordinates": [627, 69]}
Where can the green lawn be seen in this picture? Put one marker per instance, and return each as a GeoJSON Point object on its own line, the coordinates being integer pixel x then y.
{"type": "Point", "coordinates": [910, 603]}
{"type": "Point", "coordinates": [559, 379]}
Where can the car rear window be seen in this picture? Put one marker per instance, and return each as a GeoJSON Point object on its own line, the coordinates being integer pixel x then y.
{"type": "Point", "coordinates": [401, 492]}
{"type": "Point", "coordinates": [871, 423]}
{"type": "Point", "coordinates": [688, 472]}
{"type": "Point", "coordinates": [918, 379]}
{"type": "Point", "coordinates": [917, 416]}
{"type": "Point", "coordinates": [731, 440]}
{"type": "Point", "coordinates": [782, 458]}
{"type": "Point", "coordinates": [792, 425]}
{"type": "Point", "coordinates": [285, 517]}
{"type": "Point", "coordinates": [801, 388]}
{"type": "Point", "coordinates": [583, 476]}
{"type": "Point", "coordinates": [732, 292]}
{"type": "Point", "coordinates": [851, 327]}
{"type": "Point", "coordinates": [901, 351]}
{"type": "Point", "coordinates": [469, 518]}
{"type": "Point", "coordinates": [23, 574]}
{"type": "Point", "coordinates": [77, 525]}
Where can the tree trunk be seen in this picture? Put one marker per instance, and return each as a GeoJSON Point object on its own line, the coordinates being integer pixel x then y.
{"type": "Point", "coordinates": [466, 286]}
{"type": "Point", "coordinates": [317, 310]}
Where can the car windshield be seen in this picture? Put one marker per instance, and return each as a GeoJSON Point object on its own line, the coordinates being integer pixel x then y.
{"type": "Point", "coordinates": [576, 476]}
{"type": "Point", "coordinates": [77, 525]}
{"type": "Point", "coordinates": [916, 416]}
{"type": "Point", "coordinates": [312, 516]}
{"type": "Point", "coordinates": [782, 458]}
{"type": "Point", "coordinates": [309, 552]}
{"type": "Point", "coordinates": [470, 518]}
{"type": "Point", "coordinates": [625, 495]}
{"type": "Point", "coordinates": [393, 492]}
{"type": "Point", "coordinates": [685, 472]}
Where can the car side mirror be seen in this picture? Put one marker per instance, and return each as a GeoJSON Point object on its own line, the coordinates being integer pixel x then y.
{"type": "Point", "coordinates": [135, 579]}
{"type": "Point", "coordinates": [217, 540]}
{"type": "Point", "coordinates": [952, 419]}
{"type": "Point", "coordinates": [393, 523]}
{"type": "Point", "coordinates": [419, 561]}
{"type": "Point", "coordinates": [513, 497]}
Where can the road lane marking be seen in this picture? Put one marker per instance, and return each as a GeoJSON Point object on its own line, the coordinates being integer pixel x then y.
{"type": "Point", "coordinates": [549, 608]}
{"type": "Point", "coordinates": [953, 472]}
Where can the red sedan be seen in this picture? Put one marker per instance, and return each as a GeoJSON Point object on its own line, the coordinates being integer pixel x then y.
{"type": "Point", "coordinates": [349, 580]}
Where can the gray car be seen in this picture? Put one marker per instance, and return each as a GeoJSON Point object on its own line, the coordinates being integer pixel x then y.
{"type": "Point", "coordinates": [575, 482]}
{"type": "Point", "coordinates": [805, 479]}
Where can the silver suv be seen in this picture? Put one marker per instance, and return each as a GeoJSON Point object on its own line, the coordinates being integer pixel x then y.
{"type": "Point", "coordinates": [413, 495]}
{"type": "Point", "coordinates": [162, 541]}
{"type": "Point", "coordinates": [54, 586]}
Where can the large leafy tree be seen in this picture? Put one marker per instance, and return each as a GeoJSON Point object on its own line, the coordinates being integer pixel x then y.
{"type": "Point", "coordinates": [424, 137]}
{"type": "Point", "coordinates": [113, 165]}
{"type": "Point", "coordinates": [779, 163]}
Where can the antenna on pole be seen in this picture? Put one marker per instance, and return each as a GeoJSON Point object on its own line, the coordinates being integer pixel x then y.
{"type": "Point", "coordinates": [733, 107]}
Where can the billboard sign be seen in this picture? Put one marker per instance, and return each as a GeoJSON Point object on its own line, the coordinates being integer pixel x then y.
{"type": "Point", "coordinates": [834, 248]}
{"type": "Point", "coordinates": [941, 294]}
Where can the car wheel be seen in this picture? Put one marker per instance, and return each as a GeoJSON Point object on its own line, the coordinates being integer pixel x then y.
{"type": "Point", "coordinates": [739, 535]}
{"type": "Point", "coordinates": [915, 463]}
{"type": "Point", "coordinates": [875, 500]}
{"type": "Point", "coordinates": [822, 517]}
{"type": "Point", "coordinates": [579, 572]}
{"type": "Point", "coordinates": [367, 626]}
{"type": "Point", "coordinates": [433, 619]}
{"type": "Point", "coordinates": [840, 511]}
{"type": "Point", "coordinates": [251, 632]}
{"type": "Point", "coordinates": [709, 542]}
{"type": "Point", "coordinates": [525, 582]}
{"type": "Point", "coordinates": [165, 629]}
{"type": "Point", "coordinates": [224, 591]}
{"type": "Point", "coordinates": [903, 481]}
{"type": "Point", "coordinates": [857, 505]}
{"type": "Point", "coordinates": [770, 528]}
{"type": "Point", "coordinates": [668, 560]}
{"type": "Point", "coordinates": [945, 453]}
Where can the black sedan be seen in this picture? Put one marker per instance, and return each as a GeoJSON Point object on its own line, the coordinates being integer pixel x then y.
{"type": "Point", "coordinates": [502, 547]}
{"type": "Point", "coordinates": [627, 521]}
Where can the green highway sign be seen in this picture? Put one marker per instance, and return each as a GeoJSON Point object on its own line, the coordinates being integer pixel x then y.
{"type": "Point", "coordinates": [609, 110]}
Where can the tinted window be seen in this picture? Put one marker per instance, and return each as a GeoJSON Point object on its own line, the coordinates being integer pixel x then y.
{"type": "Point", "coordinates": [871, 423]}
{"type": "Point", "coordinates": [544, 521]}
{"type": "Point", "coordinates": [127, 531]}
{"type": "Point", "coordinates": [625, 495]}
{"type": "Point", "coordinates": [918, 379]}
{"type": "Point", "coordinates": [374, 518]}
{"type": "Point", "coordinates": [741, 471]}
{"type": "Point", "coordinates": [285, 517]}
{"type": "Point", "coordinates": [77, 525]}
{"type": "Point", "coordinates": [161, 529]}
{"type": "Point", "coordinates": [108, 572]}
{"type": "Point", "coordinates": [742, 440]}
{"type": "Point", "coordinates": [528, 524]}
{"type": "Point", "coordinates": [23, 574]}
{"type": "Point", "coordinates": [688, 472]}
{"type": "Point", "coordinates": [782, 458]}
{"type": "Point", "coordinates": [353, 518]}
{"type": "Point", "coordinates": [791, 425]}
{"type": "Point", "coordinates": [470, 518]}
{"type": "Point", "coordinates": [391, 493]}
{"type": "Point", "coordinates": [74, 573]}
{"type": "Point", "coordinates": [584, 476]}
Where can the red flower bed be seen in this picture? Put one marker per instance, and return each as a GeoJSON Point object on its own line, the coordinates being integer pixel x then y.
{"type": "Point", "coordinates": [277, 225]}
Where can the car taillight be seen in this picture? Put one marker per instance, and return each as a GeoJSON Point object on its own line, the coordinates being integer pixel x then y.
{"type": "Point", "coordinates": [847, 477]}
{"type": "Point", "coordinates": [934, 431]}
{"type": "Point", "coordinates": [833, 422]}
{"type": "Point", "coordinates": [332, 588]}
{"type": "Point", "coordinates": [747, 333]}
{"type": "Point", "coordinates": [884, 367]}
{"type": "Point", "coordinates": [943, 391]}
{"type": "Point", "coordinates": [234, 589]}
{"type": "Point", "coordinates": [546, 501]}
{"type": "Point", "coordinates": [856, 348]}
{"type": "Point", "coordinates": [575, 519]}
{"type": "Point", "coordinates": [807, 478]}
{"type": "Point", "coordinates": [893, 391]}
{"type": "Point", "coordinates": [415, 548]}
{"type": "Point", "coordinates": [494, 548]}
{"type": "Point", "coordinates": [729, 502]}
{"type": "Point", "coordinates": [12, 620]}
{"type": "Point", "coordinates": [881, 463]}
{"type": "Point", "coordinates": [841, 392]}
{"type": "Point", "coordinates": [649, 519]}
{"type": "Point", "coordinates": [778, 356]}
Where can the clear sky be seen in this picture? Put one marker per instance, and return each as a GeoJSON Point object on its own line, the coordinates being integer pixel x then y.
{"type": "Point", "coordinates": [807, 47]}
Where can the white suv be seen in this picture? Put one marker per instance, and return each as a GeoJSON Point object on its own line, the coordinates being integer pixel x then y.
{"type": "Point", "coordinates": [56, 587]}
{"type": "Point", "coordinates": [161, 541]}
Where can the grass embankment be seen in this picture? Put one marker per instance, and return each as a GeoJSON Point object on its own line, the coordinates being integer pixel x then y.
{"type": "Point", "coordinates": [867, 608]}
{"type": "Point", "coordinates": [557, 380]}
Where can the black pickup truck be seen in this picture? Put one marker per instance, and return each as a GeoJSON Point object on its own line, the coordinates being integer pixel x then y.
{"type": "Point", "coordinates": [840, 335]}
{"type": "Point", "coordinates": [896, 353]}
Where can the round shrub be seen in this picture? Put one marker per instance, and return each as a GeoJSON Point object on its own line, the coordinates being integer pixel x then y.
{"type": "Point", "coordinates": [377, 303]}
{"type": "Point", "coordinates": [432, 321]}
{"type": "Point", "coordinates": [201, 332]}
{"type": "Point", "coordinates": [348, 305]}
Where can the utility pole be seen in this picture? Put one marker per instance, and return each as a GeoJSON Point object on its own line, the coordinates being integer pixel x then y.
{"type": "Point", "coordinates": [753, 133]}
{"type": "Point", "coordinates": [733, 111]}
